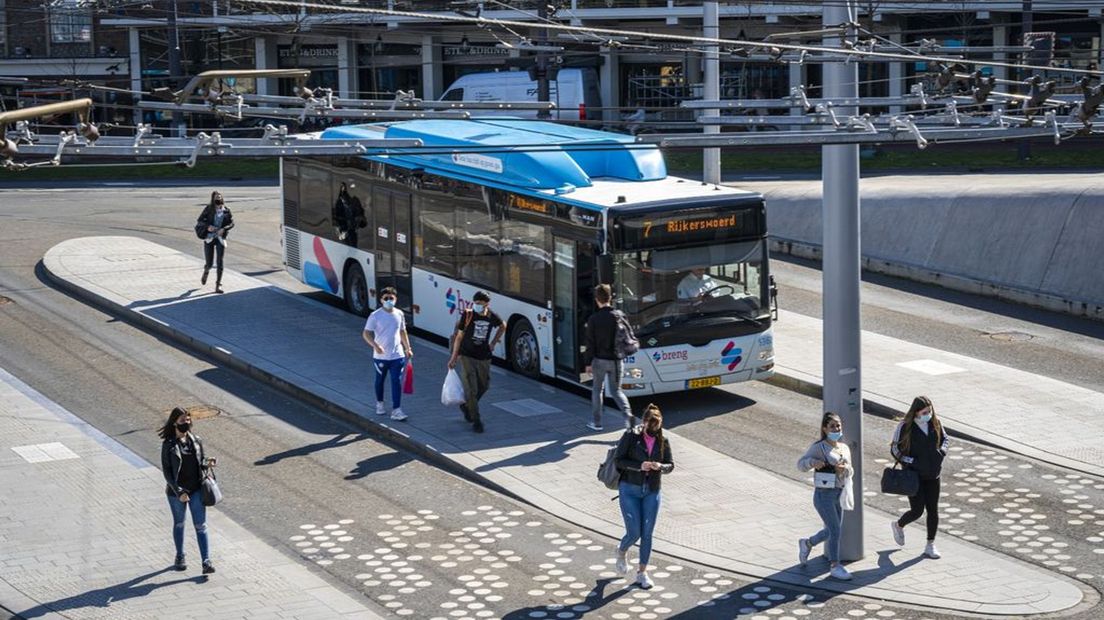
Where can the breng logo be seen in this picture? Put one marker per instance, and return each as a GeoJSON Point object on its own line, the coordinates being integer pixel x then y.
{"type": "Point", "coordinates": [455, 301]}
{"type": "Point", "coordinates": [669, 356]}
{"type": "Point", "coordinates": [731, 355]}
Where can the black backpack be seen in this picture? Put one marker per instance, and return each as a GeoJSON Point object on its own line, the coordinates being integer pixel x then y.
{"type": "Point", "coordinates": [624, 341]}
{"type": "Point", "coordinates": [201, 229]}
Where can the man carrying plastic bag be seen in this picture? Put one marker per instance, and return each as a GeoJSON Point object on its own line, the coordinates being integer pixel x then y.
{"type": "Point", "coordinates": [471, 347]}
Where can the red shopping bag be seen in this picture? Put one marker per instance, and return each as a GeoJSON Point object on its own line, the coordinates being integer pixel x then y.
{"type": "Point", "coordinates": [408, 379]}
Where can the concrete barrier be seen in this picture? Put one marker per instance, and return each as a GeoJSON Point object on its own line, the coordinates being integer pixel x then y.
{"type": "Point", "coordinates": [1030, 239]}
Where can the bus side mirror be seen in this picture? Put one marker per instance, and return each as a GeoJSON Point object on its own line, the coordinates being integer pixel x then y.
{"type": "Point", "coordinates": [773, 289]}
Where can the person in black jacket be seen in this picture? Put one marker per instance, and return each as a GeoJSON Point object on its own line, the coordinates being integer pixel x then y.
{"type": "Point", "coordinates": [604, 362]}
{"type": "Point", "coordinates": [921, 444]}
{"type": "Point", "coordinates": [184, 464]}
{"type": "Point", "coordinates": [643, 457]}
{"type": "Point", "coordinates": [218, 221]}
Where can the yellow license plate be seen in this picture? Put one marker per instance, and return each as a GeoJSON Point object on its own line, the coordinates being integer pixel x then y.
{"type": "Point", "coordinates": [693, 384]}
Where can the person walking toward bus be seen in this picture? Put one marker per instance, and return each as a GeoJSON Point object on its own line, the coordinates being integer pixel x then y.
{"type": "Point", "coordinates": [920, 443]}
{"type": "Point", "coordinates": [183, 464]}
{"type": "Point", "coordinates": [385, 332]}
{"type": "Point", "coordinates": [643, 457]}
{"type": "Point", "coordinates": [833, 492]}
{"type": "Point", "coordinates": [473, 347]}
{"type": "Point", "coordinates": [606, 363]}
{"type": "Point", "coordinates": [217, 221]}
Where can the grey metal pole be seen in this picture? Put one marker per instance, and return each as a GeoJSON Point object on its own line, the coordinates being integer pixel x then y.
{"type": "Point", "coordinates": [711, 28]}
{"type": "Point", "coordinates": [543, 89]}
{"type": "Point", "coordinates": [842, 273]}
{"type": "Point", "coordinates": [1023, 148]}
{"type": "Point", "coordinates": [176, 70]}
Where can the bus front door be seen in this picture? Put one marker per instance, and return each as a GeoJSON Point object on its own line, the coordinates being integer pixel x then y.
{"type": "Point", "coordinates": [391, 214]}
{"type": "Point", "coordinates": [572, 301]}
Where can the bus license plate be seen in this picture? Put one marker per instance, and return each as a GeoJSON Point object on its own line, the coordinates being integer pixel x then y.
{"type": "Point", "coordinates": [692, 384]}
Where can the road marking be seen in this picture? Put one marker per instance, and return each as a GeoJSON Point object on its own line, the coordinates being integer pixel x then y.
{"type": "Point", "coordinates": [931, 367]}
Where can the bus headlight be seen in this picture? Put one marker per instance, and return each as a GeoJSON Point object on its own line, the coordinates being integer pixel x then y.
{"type": "Point", "coordinates": [766, 354]}
{"type": "Point", "coordinates": [635, 373]}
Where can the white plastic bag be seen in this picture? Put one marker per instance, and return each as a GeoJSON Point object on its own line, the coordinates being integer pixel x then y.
{"type": "Point", "coordinates": [452, 392]}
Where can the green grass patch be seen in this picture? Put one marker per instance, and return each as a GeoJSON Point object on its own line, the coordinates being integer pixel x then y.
{"type": "Point", "coordinates": [215, 169]}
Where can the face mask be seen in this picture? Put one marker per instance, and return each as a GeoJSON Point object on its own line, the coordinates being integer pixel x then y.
{"type": "Point", "coordinates": [925, 418]}
{"type": "Point", "coordinates": [835, 435]}
{"type": "Point", "coordinates": [183, 426]}
{"type": "Point", "coordinates": [478, 308]}
{"type": "Point", "coordinates": [388, 304]}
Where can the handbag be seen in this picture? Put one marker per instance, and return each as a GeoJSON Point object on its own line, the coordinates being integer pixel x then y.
{"type": "Point", "coordinates": [210, 489]}
{"type": "Point", "coordinates": [408, 379]}
{"type": "Point", "coordinates": [824, 480]}
{"type": "Point", "coordinates": [201, 229]}
{"type": "Point", "coordinates": [608, 473]}
{"type": "Point", "coordinates": [900, 481]}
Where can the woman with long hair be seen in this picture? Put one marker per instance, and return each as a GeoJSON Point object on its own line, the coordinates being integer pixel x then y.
{"type": "Point", "coordinates": [920, 443]}
{"type": "Point", "coordinates": [832, 492]}
{"type": "Point", "coordinates": [643, 457]}
{"type": "Point", "coordinates": [217, 221]}
{"type": "Point", "coordinates": [183, 464]}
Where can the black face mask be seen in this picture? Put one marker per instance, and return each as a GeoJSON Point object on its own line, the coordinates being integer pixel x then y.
{"type": "Point", "coordinates": [183, 427]}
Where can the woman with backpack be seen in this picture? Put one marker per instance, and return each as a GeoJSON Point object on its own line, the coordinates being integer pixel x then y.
{"type": "Point", "coordinates": [213, 225]}
{"type": "Point", "coordinates": [920, 444]}
{"type": "Point", "coordinates": [643, 457]}
{"type": "Point", "coordinates": [832, 492]}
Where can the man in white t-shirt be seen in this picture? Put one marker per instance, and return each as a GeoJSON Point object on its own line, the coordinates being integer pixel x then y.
{"type": "Point", "coordinates": [385, 332]}
{"type": "Point", "coordinates": [696, 284]}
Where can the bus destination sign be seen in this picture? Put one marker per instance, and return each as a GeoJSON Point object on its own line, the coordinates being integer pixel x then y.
{"type": "Point", "coordinates": [697, 227]}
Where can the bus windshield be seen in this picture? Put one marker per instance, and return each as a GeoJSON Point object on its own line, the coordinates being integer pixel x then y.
{"type": "Point", "coordinates": [662, 288]}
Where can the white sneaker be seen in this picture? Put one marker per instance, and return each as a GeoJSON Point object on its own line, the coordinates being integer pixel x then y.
{"type": "Point", "coordinates": [622, 564]}
{"type": "Point", "coordinates": [803, 549]}
{"type": "Point", "coordinates": [839, 572]}
{"type": "Point", "coordinates": [381, 409]}
{"type": "Point", "coordinates": [644, 581]}
{"type": "Point", "coordinates": [398, 415]}
{"type": "Point", "coordinates": [594, 427]}
{"type": "Point", "coordinates": [898, 534]}
{"type": "Point", "coordinates": [932, 552]}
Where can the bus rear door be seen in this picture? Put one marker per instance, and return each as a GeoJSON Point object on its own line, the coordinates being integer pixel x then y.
{"type": "Point", "coordinates": [572, 302]}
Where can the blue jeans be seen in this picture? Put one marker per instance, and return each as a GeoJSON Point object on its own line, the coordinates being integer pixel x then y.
{"type": "Point", "coordinates": [395, 368]}
{"type": "Point", "coordinates": [199, 520]}
{"type": "Point", "coordinates": [826, 502]}
{"type": "Point", "coordinates": [639, 509]}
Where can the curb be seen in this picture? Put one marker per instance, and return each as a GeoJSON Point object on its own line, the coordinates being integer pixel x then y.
{"type": "Point", "coordinates": [804, 386]}
{"type": "Point", "coordinates": [578, 519]}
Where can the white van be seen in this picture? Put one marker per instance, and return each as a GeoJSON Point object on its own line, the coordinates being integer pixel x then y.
{"type": "Point", "coordinates": [574, 91]}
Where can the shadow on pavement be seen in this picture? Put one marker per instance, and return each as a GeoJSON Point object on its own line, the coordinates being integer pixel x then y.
{"type": "Point", "coordinates": [337, 441]}
{"type": "Point", "coordinates": [104, 597]}
{"type": "Point", "coordinates": [378, 463]}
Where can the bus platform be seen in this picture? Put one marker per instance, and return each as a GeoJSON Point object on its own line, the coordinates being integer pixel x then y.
{"type": "Point", "coordinates": [85, 533]}
{"type": "Point", "coordinates": [718, 511]}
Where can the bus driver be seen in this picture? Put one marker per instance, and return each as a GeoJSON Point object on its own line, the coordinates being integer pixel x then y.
{"type": "Point", "coordinates": [696, 284]}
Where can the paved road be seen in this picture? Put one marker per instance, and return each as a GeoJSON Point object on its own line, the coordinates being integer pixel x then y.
{"type": "Point", "coordinates": [115, 377]}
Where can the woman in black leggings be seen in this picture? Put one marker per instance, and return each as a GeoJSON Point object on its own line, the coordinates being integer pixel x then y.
{"type": "Point", "coordinates": [920, 443]}
{"type": "Point", "coordinates": [217, 222]}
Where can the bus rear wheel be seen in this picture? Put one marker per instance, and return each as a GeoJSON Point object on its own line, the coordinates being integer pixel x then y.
{"type": "Point", "coordinates": [524, 350]}
{"type": "Point", "coordinates": [356, 290]}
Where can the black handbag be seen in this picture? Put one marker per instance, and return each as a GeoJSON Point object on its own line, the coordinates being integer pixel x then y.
{"type": "Point", "coordinates": [201, 230]}
{"type": "Point", "coordinates": [210, 489]}
{"type": "Point", "coordinates": [900, 481]}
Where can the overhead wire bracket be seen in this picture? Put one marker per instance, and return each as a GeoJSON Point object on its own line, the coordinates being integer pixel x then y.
{"type": "Point", "coordinates": [908, 124]}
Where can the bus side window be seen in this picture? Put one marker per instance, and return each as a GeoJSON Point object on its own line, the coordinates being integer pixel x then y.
{"type": "Point", "coordinates": [478, 239]}
{"type": "Point", "coordinates": [436, 237]}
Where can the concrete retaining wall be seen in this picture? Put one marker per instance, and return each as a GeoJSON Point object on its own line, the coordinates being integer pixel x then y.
{"type": "Point", "coordinates": [1032, 238]}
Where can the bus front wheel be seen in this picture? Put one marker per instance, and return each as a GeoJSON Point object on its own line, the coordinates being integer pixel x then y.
{"type": "Point", "coordinates": [524, 350]}
{"type": "Point", "coordinates": [356, 290]}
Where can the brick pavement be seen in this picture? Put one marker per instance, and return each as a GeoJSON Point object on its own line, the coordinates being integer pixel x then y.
{"type": "Point", "coordinates": [717, 510]}
{"type": "Point", "coordinates": [85, 532]}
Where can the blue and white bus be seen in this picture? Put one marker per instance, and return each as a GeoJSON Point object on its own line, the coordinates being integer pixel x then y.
{"type": "Point", "coordinates": [537, 214]}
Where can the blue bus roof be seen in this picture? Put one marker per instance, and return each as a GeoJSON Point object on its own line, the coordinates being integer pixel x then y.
{"type": "Point", "coordinates": [488, 149]}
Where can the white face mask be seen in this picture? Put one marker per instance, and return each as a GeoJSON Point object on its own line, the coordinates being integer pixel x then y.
{"type": "Point", "coordinates": [924, 418]}
{"type": "Point", "coordinates": [477, 308]}
{"type": "Point", "coordinates": [388, 304]}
